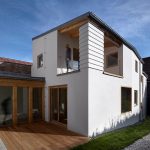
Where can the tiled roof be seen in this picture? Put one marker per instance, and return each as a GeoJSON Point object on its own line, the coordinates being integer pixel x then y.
{"type": "Point", "coordinates": [2, 59]}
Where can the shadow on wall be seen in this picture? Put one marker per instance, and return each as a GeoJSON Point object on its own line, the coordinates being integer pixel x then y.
{"type": "Point", "coordinates": [123, 121]}
{"type": "Point", "coordinates": [116, 124]}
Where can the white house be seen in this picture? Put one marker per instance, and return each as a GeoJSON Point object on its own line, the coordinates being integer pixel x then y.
{"type": "Point", "coordinates": [104, 87]}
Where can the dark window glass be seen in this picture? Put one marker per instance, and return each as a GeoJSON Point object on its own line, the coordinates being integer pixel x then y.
{"type": "Point", "coordinates": [22, 104]}
{"type": "Point", "coordinates": [125, 99]}
{"type": "Point", "coordinates": [112, 59]}
{"type": "Point", "coordinates": [75, 54]}
{"type": "Point", "coordinates": [37, 104]}
{"type": "Point", "coordinates": [135, 97]}
{"type": "Point", "coordinates": [136, 66]}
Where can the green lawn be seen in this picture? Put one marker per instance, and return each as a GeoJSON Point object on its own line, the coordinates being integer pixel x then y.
{"type": "Point", "coordinates": [119, 139]}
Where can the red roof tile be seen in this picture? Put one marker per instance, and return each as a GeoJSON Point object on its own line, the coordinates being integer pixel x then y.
{"type": "Point", "coordinates": [2, 59]}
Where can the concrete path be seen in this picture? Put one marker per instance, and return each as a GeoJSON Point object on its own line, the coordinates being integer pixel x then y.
{"type": "Point", "coordinates": [141, 144]}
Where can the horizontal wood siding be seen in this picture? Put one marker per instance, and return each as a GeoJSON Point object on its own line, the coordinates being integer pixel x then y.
{"type": "Point", "coordinates": [91, 44]}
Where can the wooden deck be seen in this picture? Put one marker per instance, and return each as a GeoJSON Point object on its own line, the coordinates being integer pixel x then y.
{"type": "Point", "coordinates": [39, 136]}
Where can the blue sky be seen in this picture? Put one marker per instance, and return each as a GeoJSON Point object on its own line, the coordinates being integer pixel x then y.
{"type": "Point", "coordinates": [20, 20]}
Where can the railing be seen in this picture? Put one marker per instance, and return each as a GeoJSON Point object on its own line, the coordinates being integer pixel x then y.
{"type": "Point", "coordinates": [73, 66]}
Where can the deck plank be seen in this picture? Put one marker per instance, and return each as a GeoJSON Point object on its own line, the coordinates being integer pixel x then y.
{"type": "Point", "coordinates": [39, 136]}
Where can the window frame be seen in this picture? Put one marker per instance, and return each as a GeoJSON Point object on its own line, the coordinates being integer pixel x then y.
{"type": "Point", "coordinates": [130, 107]}
{"type": "Point", "coordinates": [113, 65]}
{"type": "Point", "coordinates": [39, 65]}
{"type": "Point", "coordinates": [136, 66]}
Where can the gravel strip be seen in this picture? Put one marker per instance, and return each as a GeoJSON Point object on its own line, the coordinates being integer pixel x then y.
{"type": "Point", "coordinates": [141, 144]}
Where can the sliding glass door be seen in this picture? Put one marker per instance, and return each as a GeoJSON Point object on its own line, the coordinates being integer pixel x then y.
{"type": "Point", "coordinates": [5, 105]}
{"type": "Point", "coordinates": [59, 104]}
{"type": "Point", "coordinates": [37, 104]}
{"type": "Point", "coordinates": [22, 104]}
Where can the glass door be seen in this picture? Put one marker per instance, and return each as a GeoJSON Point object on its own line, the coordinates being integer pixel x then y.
{"type": "Point", "coordinates": [63, 105]}
{"type": "Point", "coordinates": [22, 104]}
{"type": "Point", "coordinates": [59, 104]}
{"type": "Point", "coordinates": [54, 104]}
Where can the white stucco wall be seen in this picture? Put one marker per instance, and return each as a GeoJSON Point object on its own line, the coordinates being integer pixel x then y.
{"type": "Point", "coordinates": [77, 84]}
{"type": "Point", "coordinates": [105, 97]}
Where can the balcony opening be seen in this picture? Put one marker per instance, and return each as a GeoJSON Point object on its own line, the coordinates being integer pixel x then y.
{"type": "Point", "coordinates": [68, 56]}
{"type": "Point", "coordinates": [113, 56]}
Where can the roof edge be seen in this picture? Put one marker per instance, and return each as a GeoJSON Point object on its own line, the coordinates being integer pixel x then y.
{"type": "Point", "coordinates": [98, 20]}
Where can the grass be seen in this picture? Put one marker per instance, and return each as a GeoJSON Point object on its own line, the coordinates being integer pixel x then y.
{"type": "Point", "coordinates": [119, 139]}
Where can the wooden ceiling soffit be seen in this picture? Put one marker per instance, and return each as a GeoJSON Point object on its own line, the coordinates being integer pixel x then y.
{"type": "Point", "coordinates": [112, 41]}
{"type": "Point", "coordinates": [73, 26]}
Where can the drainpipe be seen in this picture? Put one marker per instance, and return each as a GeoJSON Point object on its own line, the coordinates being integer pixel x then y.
{"type": "Point", "coordinates": [140, 103]}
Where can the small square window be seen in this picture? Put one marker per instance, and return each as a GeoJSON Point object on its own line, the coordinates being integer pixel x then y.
{"type": "Point", "coordinates": [135, 97]}
{"type": "Point", "coordinates": [112, 60]}
{"type": "Point", "coordinates": [40, 60]}
{"type": "Point", "coordinates": [136, 66]}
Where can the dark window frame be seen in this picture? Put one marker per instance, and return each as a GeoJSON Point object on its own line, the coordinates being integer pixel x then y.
{"type": "Point", "coordinates": [124, 104]}
{"type": "Point", "coordinates": [108, 65]}
{"type": "Point", "coordinates": [39, 60]}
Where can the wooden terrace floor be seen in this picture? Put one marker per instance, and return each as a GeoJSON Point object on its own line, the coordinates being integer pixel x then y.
{"type": "Point", "coordinates": [39, 136]}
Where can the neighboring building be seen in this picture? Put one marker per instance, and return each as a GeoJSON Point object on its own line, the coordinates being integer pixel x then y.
{"type": "Point", "coordinates": [146, 68]}
{"type": "Point", "coordinates": [102, 89]}
{"type": "Point", "coordinates": [20, 94]}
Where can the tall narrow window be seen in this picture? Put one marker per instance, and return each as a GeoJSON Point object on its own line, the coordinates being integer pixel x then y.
{"type": "Point", "coordinates": [136, 66]}
{"type": "Point", "coordinates": [125, 99]}
{"type": "Point", "coordinates": [112, 60]}
{"type": "Point", "coordinates": [40, 60]}
{"type": "Point", "coordinates": [135, 97]}
{"type": "Point", "coordinates": [75, 58]}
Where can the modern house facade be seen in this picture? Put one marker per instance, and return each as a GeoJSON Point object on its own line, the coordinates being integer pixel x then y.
{"type": "Point", "coordinates": [94, 79]}
{"type": "Point", "coordinates": [146, 68]}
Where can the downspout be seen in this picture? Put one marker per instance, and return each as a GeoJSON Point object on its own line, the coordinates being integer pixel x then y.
{"type": "Point", "coordinates": [140, 103]}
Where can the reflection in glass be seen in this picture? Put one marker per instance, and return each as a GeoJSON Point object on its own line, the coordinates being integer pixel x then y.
{"type": "Point", "coordinates": [22, 104]}
{"type": "Point", "coordinates": [5, 105]}
{"type": "Point", "coordinates": [37, 104]}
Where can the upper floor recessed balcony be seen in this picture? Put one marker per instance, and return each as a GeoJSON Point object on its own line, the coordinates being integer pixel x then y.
{"type": "Point", "coordinates": [68, 54]}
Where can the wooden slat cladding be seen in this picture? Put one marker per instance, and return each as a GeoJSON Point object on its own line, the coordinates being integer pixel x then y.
{"type": "Point", "coordinates": [22, 83]}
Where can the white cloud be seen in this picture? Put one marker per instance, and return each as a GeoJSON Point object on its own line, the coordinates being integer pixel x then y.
{"type": "Point", "coordinates": [129, 18]}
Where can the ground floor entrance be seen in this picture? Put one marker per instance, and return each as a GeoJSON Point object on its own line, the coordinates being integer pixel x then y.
{"type": "Point", "coordinates": [20, 101]}
{"type": "Point", "coordinates": [58, 104]}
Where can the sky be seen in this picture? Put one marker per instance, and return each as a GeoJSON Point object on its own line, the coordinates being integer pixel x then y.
{"type": "Point", "coordinates": [21, 20]}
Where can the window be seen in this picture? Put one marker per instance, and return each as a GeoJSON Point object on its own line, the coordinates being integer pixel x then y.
{"type": "Point", "coordinates": [40, 60]}
{"type": "Point", "coordinates": [125, 99]}
{"type": "Point", "coordinates": [112, 60]}
{"type": "Point", "coordinates": [136, 66]}
{"type": "Point", "coordinates": [135, 97]}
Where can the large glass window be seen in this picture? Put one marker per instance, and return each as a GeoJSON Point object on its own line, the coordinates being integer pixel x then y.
{"type": "Point", "coordinates": [125, 99]}
{"type": "Point", "coordinates": [22, 104]}
{"type": "Point", "coordinates": [37, 104]}
{"type": "Point", "coordinates": [5, 105]}
{"type": "Point", "coordinates": [112, 60]}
